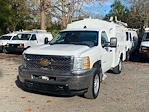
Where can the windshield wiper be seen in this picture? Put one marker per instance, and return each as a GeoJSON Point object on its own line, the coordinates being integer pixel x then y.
{"type": "Point", "coordinates": [72, 43]}
{"type": "Point", "coordinates": [55, 43]}
{"type": "Point", "coordinates": [80, 44]}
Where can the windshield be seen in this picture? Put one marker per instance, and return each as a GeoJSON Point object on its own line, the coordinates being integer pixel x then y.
{"type": "Point", "coordinates": [146, 36]}
{"type": "Point", "coordinates": [5, 37]}
{"type": "Point", "coordinates": [22, 37]}
{"type": "Point", "coordinates": [88, 38]}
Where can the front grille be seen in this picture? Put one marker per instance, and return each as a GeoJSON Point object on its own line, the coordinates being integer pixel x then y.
{"type": "Point", "coordinates": [50, 63]}
{"type": "Point", "coordinates": [14, 45]}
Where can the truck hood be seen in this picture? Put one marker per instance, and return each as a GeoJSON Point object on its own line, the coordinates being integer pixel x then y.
{"type": "Point", "coordinates": [18, 42]}
{"type": "Point", "coordinates": [145, 43]}
{"type": "Point", "coordinates": [57, 49]}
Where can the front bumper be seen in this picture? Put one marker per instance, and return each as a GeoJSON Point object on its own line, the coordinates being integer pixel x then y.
{"type": "Point", "coordinates": [59, 83]}
{"type": "Point", "coordinates": [14, 49]}
{"type": "Point", "coordinates": [144, 51]}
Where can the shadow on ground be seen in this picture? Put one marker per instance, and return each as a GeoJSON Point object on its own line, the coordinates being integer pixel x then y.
{"type": "Point", "coordinates": [137, 57]}
{"type": "Point", "coordinates": [1, 74]}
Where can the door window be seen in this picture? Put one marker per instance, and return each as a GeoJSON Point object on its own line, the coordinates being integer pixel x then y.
{"type": "Point", "coordinates": [130, 37]}
{"type": "Point", "coordinates": [127, 36]}
{"type": "Point", "coordinates": [33, 37]}
{"type": "Point", "coordinates": [104, 39]}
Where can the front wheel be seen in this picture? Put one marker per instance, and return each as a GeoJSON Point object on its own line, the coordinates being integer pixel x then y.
{"type": "Point", "coordinates": [118, 68]}
{"type": "Point", "coordinates": [94, 87]}
{"type": "Point", "coordinates": [4, 50]}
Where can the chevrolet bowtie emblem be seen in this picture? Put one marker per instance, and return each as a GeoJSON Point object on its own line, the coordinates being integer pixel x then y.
{"type": "Point", "coordinates": [44, 62]}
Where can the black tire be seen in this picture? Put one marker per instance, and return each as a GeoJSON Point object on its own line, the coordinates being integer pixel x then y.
{"type": "Point", "coordinates": [118, 68]}
{"type": "Point", "coordinates": [128, 55]}
{"type": "Point", "coordinates": [4, 50]}
{"type": "Point", "coordinates": [94, 87]}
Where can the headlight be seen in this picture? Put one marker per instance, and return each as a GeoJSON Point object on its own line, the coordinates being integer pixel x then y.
{"type": "Point", "coordinates": [144, 48]}
{"type": "Point", "coordinates": [21, 46]}
{"type": "Point", "coordinates": [81, 64]}
{"type": "Point", "coordinates": [7, 45]}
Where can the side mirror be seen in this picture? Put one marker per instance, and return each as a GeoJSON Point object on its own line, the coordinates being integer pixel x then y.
{"type": "Point", "coordinates": [113, 42]}
{"type": "Point", "coordinates": [46, 41]}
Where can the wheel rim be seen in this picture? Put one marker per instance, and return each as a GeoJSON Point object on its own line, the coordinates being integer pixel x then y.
{"type": "Point", "coordinates": [96, 84]}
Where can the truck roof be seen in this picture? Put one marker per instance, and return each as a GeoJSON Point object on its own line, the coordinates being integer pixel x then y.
{"type": "Point", "coordinates": [35, 32]}
{"type": "Point", "coordinates": [96, 25]}
{"type": "Point", "coordinates": [92, 24]}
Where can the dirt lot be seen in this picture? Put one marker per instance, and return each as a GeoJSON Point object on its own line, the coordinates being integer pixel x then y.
{"type": "Point", "coordinates": [127, 92]}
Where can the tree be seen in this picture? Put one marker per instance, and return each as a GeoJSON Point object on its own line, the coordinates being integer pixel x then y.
{"type": "Point", "coordinates": [15, 15]}
{"type": "Point", "coordinates": [139, 12]}
{"type": "Point", "coordinates": [63, 11]}
{"type": "Point", "coordinates": [134, 17]}
{"type": "Point", "coordinates": [118, 10]}
{"type": "Point", "coordinates": [19, 14]}
{"type": "Point", "coordinates": [4, 15]}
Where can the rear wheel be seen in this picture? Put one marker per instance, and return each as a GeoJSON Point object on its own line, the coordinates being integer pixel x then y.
{"type": "Point", "coordinates": [118, 68]}
{"type": "Point", "coordinates": [94, 87]}
{"type": "Point", "coordinates": [128, 55]}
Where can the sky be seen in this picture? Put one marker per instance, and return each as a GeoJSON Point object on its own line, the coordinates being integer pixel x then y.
{"type": "Point", "coordinates": [97, 8]}
{"type": "Point", "coordinates": [101, 9]}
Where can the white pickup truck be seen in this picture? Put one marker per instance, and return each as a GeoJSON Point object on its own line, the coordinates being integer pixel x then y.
{"type": "Point", "coordinates": [75, 60]}
{"type": "Point", "coordinates": [27, 39]}
{"type": "Point", "coordinates": [144, 47]}
{"type": "Point", "coordinates": [4, 39]}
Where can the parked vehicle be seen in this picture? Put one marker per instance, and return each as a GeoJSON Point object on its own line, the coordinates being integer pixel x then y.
{"type": "Point", "coordinates": [4, 39]}
{"type": "Point", "coordinates": [144, 47]}
{"type": "Point", "coordinates": [25, 40]}
{"type": "Point", "coordinates": [131, 42]}
{"type": "Point", "coordinates": [135, 40]}
{"type": "Point", "coordinates": [75, 61]}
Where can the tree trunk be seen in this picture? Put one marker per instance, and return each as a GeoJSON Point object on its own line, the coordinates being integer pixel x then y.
{"type": "Point", "coordinates": [42, 15]}
{"type": "Point", "coordinates": [42, 20]}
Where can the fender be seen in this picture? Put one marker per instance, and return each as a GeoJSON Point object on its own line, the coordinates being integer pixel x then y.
{"type": "Point", "coordinates": [97, 66]}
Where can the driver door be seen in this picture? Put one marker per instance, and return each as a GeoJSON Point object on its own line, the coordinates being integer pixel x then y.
{"type": "Point", "coordinates": [107, 56]}
{"type": "Point", "coordinates": [33, 40]}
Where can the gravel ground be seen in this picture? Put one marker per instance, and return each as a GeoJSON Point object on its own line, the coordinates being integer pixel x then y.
{"type": "Point", "coordinates": [127, 92]}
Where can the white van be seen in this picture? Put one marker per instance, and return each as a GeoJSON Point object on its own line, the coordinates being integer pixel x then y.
{"type": "Point", "coordinates": [4, 39]}
{"type": "Point", "coordinates": [144, 47]}
{"type": "Point", "coordinates": [131, 42]}
{"type": "Point", "coordinates": [135, 39]}
{"type": "Point", "coordinates": [75, 60]}
{"type": "Point", "coordinates": [25, 40]}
